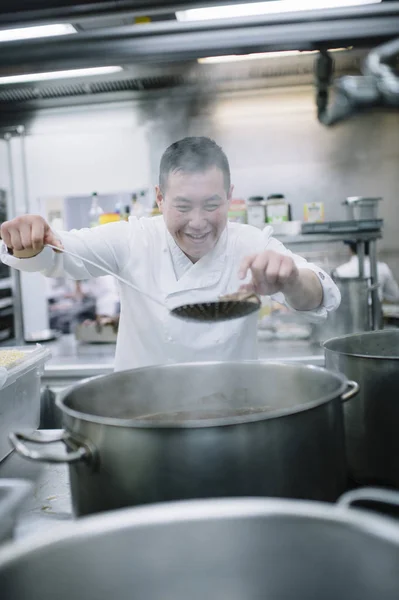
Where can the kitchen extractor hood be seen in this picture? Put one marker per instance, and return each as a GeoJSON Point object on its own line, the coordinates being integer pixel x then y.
{"type": "Point", "coordinates": [377, 86]}
{"type": "Point", "coordinates": [185, 77]}
{"type": "Point", "coordinates": [169, 41]}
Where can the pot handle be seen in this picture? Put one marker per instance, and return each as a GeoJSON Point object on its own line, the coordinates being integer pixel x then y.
{"type": "Point", "coordinates": [353, 390]}
{"type": "Point", "coordinates": [371, 494]}
{"type": "Point", "coordinates": [80, 451]}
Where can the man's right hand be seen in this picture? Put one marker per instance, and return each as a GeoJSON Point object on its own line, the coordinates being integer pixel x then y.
{"type": "Point", "coordinates": [27, 235]}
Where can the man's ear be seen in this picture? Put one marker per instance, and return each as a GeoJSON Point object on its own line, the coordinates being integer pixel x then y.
{"type": "Point", "coordinates": [159, 197]}
{"type": "Point", "coordinates": [230, 194]}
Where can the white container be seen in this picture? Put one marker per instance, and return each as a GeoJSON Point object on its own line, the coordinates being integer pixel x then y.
{"type": "Point", "coordinates": [20, 393]}
{"type": "Point", "coordinates": [287, 228]}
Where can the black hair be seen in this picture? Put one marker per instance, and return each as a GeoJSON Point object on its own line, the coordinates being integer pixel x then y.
{"type": "Point", "coordinates": [353, 247]}
{"type": "Point", "coordinates": [193, 155]}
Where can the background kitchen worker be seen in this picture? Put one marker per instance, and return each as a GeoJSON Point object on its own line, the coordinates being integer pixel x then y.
{"type": "Point", "coordinates": [190, 253]}
{"type": "Point", "coordinates": [388, 290]}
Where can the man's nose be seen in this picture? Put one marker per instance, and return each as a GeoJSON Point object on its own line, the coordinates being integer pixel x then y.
{"type": "Point", "coordinates": [197, 219]}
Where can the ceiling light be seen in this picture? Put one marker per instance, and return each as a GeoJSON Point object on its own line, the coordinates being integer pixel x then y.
{"type": "Point", "coordinates": [39, 31]}
{"type": "Point", "coordinates": [264, 8]}
{"type": "Point", "coordinates": [59, 75]}
{"type": "Point", "coordinates": [258, 55]}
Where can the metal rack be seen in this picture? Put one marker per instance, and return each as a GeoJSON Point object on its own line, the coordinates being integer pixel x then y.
{"type": "Point", "coordinates": [360, 239]}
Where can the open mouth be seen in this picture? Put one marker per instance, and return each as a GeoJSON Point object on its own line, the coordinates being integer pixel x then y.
{"type": "Point", "coordinates": [197, 238]}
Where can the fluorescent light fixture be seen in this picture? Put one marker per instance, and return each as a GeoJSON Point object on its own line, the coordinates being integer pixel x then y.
{"type": "Point", "coordinates": [39, 31]}
{"type": "Point", "coordinates": [59, 75]}
{"type": "Point", "coordinates": [258, 55]}
{"type": "Point", "coordinates": [264, 8]}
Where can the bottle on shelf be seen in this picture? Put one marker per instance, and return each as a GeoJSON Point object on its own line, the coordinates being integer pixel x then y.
{"type": "Point", "coordinates": [95, 211]}
{"type": "Point", "coordinates": [137, 209]}
{"type": "Point", "coordinates": [126, 214]}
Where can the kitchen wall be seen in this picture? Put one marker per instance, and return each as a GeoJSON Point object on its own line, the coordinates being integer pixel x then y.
{"type": "Point", "coordinates": [273, 140]}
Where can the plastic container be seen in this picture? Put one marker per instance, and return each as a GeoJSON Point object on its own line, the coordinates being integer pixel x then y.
{"type": "Point", "coordinates": [256, 212]}
{"type": "Point", "coordinates": [20, 393]}
{"type": "Point", "coordinates": [238, 211]}
{"type": "Point", "coordinates": [287, 228]}
{"type": "Point", "coordinates": [109, 218]}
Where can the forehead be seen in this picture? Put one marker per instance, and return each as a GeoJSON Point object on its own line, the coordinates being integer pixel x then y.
{"type": "Point", "coordinates": [197, 184]}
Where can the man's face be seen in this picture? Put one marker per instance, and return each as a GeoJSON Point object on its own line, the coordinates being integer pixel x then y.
{"type": "Point", "coordinates": [195, 207]}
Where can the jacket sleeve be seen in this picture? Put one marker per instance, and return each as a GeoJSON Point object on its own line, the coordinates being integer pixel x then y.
{"type": "Point", "coordinates": [107, 245]}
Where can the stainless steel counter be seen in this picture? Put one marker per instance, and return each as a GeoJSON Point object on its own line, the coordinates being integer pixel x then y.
{"type": "Point", "coordinates": [70, 359]}
{"type": "Point", "coordinates": [50, 503]}
{"type": "Point", "coordinates": [73, 360]}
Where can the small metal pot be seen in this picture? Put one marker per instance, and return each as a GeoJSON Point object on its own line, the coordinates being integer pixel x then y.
{"type": "Point", "coordinates": [240, 549]}
{"type": "Point", "coordinates": [371, 419]}
{"type": "Point", "coordinates": [360, 208]}
{"type": "Point", "coordinates": [201, 430]}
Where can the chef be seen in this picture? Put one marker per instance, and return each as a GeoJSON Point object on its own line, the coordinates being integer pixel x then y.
{"type": "Point", "coordinates": [190, 253]}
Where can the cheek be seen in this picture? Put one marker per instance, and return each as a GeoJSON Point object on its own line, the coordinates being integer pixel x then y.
{"type": "Point", "coordinates": [219, 218]}
{"type": "Point", "coordinates": [176, 221]}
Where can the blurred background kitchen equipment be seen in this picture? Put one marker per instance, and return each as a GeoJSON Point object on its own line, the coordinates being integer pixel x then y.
{"type": "Point", "coordinates": [353, 314]}
{"type": "Point", "coordinates": [359, 208]}
{"type": "Point", "coordinates": [201, 430]}
{"type": "Point", "coordinates": [372, 418]}
{"type": "Point", "coordinates": [242, 549]}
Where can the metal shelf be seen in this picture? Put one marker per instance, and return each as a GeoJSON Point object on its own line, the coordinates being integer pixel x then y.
{"type": "Point", "coordinates": [321, 238]}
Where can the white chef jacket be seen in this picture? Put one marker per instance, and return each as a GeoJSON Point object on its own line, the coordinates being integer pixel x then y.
{"type": "Point", "coordinates": [143, 252]}
{"type": "Point", "coordinates": [388, 288]}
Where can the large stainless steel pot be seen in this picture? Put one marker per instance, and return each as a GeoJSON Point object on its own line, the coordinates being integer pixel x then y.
{"type": "Point", "coordinates": [217, 429]}
{"type": "Point", "coordinates": [372, 418]}
{"type": "Point", "coordinates": [248, 549]}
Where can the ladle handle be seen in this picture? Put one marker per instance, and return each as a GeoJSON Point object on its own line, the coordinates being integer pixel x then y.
{"type": "Point", "coordinates": [97, 266]}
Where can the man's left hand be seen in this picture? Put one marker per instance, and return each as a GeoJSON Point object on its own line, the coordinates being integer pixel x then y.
{"type": "Point", "coordinates": [271, 272]}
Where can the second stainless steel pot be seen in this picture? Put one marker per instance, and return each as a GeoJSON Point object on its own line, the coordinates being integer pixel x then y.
{"type": "Point", "coordinates": [371, 419]}
{"type": "Point", "coordinates": [202, 430]}
{"type": "Point", "coordinates": [234, 549]}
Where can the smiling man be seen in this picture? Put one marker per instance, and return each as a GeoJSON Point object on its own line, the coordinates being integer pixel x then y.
{"type": "Point", "coordinates": [191, 253]}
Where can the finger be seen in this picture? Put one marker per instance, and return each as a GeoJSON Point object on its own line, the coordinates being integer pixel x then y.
{"type": "Point", "coordinates": [37, 234]}
{"type": "Point", "coordinates": [245, 265]}
{"type": "Point", "coordinates": [50, 238]}
{"type": "Point", "coordinates": [273, 269]}
{"type": "Point", "coordinates": [15, 242]}
{"type": "Point", "coordinates": [26, 235]}
{"type": "Point", "coordinates": [286, 270]}
{"type": "Point", "coordinates": [258, 268]}
{"type": "Point", "coordinates": [5, 235]}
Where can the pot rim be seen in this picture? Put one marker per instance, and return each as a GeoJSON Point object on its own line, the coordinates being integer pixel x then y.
{"type": "Point", "coordinates": [192, 511]}
{"type": "Point", "coordinates": [359, 354]}
{"type": "Point", "coordinates": [204, 423]}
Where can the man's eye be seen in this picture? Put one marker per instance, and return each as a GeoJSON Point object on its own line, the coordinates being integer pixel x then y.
{"type": "Point", "coordinates": [211, 207]}
{"type": "Point", "coordinates": [183, 208]}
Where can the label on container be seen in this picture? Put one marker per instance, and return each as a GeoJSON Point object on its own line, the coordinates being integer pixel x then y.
{"type": "Point", "coordinates": [256, 216]}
